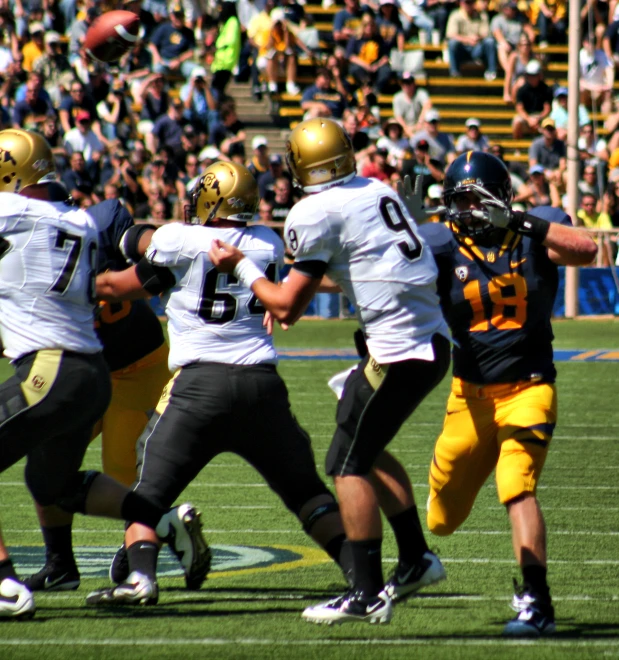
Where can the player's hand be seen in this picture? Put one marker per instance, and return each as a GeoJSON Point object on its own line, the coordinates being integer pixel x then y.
{"type": "Point", "coordinates": [224, 256]}
{"type": "Point", "coordinates": [496, 212]}
{"type": "Point", "coordinates": [413, 200]}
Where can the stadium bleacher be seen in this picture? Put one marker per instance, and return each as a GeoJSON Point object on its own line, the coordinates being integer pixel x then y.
{"type": "Point", "coordinates": [455, 98]}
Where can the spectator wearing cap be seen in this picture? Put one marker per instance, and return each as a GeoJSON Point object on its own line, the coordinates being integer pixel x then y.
{"type": "Point", "coordinates": [323, 98]}
{"type": "Point", "coordinates": [410, 104]}
{"type": "Point", "coordinates": [368, 54]}
{"type": "Point", "coordinates": [167, 129]}
{"type": "Point", "coordinates": [258, 162]}
{"type": "Point", "coordinates": [472, 140]}
{"type": "Point", "coordinates": [560, 116]}
{"type": "Point", "coordinates": [172, 45]}
{"type": "Point", "coordinates": [389, 24]}
{"type": "Point", "coordinates": [597, 75]}
{"type": "Point", "coordinates": [533, 102]}
{"type": "Point", "coordinates": [468, 38]}
{"type": "Point", "coordinates": [31, 112]}
{"type": "Point", "coordinates": [35, 47]}
{"type": "Point", "coordinates": [194, 96]}
{"type": "Point", "coordinates": [549, 152]}
{"type": "Point", "coordinates": [228, 133]}
{"type": "Point", "coordinates": [417, 162]}
{"type": "Point", "coordinates": [276, 170]}
{"type": "Point", "coordinates": [441, 144]}
{"type": "Point", "coordinates": [51, 65]}
{"type": "Point", "coordinates": [83, 139]}
{"type": "Point", "coordinates": [394, 140]}
{"type": "Point", "coordinates": [227, 46]}
{"type": "Point", "coordinates": [506, 28]}
{"type": "Point", "coordinates": [538, 190]}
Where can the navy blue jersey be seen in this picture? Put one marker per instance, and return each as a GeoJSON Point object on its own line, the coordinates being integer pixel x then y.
{"type": "Point", "coordinates": [128, 330]}
{"type": "Point", "coordinates": [498, 303]}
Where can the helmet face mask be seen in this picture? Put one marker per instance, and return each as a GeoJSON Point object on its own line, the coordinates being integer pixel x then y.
{"type": "Point", "coordinates": [26, 159]}
{"type": "Point", "coordinates": [320, 155]}
{"type": "Point", "coordinates": [225, 190]}
{"type": "Point", "coordinates": [485, 176]}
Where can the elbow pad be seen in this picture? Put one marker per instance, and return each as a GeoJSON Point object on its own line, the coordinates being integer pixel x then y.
{"type": "Point", "coordinates": [130, 241]}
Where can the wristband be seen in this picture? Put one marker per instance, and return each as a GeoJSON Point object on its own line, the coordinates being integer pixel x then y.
{"type": "Point", "coordinates": [246, 272]}
{"type": "Point", "coordinates": [529, 225]}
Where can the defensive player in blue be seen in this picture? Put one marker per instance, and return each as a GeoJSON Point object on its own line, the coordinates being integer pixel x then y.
{"type": "Point", "coordinates": [497, 281]}
{"type": "Point", "coordinates": [136, 354]}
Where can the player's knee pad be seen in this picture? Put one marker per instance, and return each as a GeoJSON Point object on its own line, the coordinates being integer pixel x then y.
{"type": "Point", "coordinates": [73, 499]}
{"type": "Point", "coordinates": [319, 512]}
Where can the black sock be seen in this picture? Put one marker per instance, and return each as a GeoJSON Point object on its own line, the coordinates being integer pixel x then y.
{"type": "Point", "coordinates": [409, 536]}
{"type": "Point", "coordinates": [7, 570]}
{"type": "Point", "coordinates": [142, 557]}
{"type": "Point", "coordinates": [338, 549]}
{"type": "Point", "coordinates": [58, 545]}
{"type": "Point", "coordinates": [368, 569]}
{"type": "Point", "coordinates": [534, 578]}
{"type": "Point", "coordinates": [136, 508]}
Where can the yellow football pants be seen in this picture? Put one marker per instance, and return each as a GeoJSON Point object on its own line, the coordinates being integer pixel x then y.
{"type": "Point", "coordinates": [507, 426]}
{"type": "Point", "coordinates": [135, 392]}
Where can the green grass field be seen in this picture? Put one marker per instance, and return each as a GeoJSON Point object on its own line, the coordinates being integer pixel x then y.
{"type": "Point", "coordinates": [266, 570]}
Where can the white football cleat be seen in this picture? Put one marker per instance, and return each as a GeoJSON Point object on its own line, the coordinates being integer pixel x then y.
{"type": "Point", "coordinates": [181, 528]}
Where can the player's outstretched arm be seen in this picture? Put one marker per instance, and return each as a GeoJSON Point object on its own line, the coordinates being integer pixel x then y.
{"type": "Point", "coordinates": [120, 285]}
{"type": "Point", "coordinates": [569, 246]}
{"type": "Point", "coordinates": [286, 302]}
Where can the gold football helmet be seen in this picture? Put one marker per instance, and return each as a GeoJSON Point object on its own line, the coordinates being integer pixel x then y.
{"type": "Point", "coordinates": [225, 190]}
{"type": "Point", "coordinates": [320, 155]}
{"type": "Point", "coordinates": [26, 159]}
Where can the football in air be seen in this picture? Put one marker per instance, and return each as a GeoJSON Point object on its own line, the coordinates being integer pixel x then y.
{"type": "Point", "coordinates": [111, 35]}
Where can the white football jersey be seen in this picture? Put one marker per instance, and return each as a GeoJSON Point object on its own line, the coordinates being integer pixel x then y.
{"type": "Point", "coordinates": [368, 239]}
{"type": "Point", "coordinates": [211, 317]}
{"type": "Point", "coordinates": [47, 271]}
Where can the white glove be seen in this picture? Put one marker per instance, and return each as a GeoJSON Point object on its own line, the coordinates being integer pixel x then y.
{"type": "Point", "coordinates": [413, 200]}
{"type": "Point", "coordinates": [496, 212]}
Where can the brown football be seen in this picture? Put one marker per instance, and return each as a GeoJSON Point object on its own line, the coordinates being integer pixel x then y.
{"type": "Point", "coordinates": [111, 35]}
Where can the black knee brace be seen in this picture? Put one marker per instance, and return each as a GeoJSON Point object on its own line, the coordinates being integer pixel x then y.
{"type": "Point", "coordinates": [73, 499]}
{"type": "Point", "coordinates": [320, 511]}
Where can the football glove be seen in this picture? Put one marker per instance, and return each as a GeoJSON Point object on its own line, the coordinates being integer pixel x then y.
{"type": "Point", "coordinates": [500, 214]}
{"type": "Point", "coordinates": [413, 200]}
{"type": "Point", "coordinates": [496, 212]}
